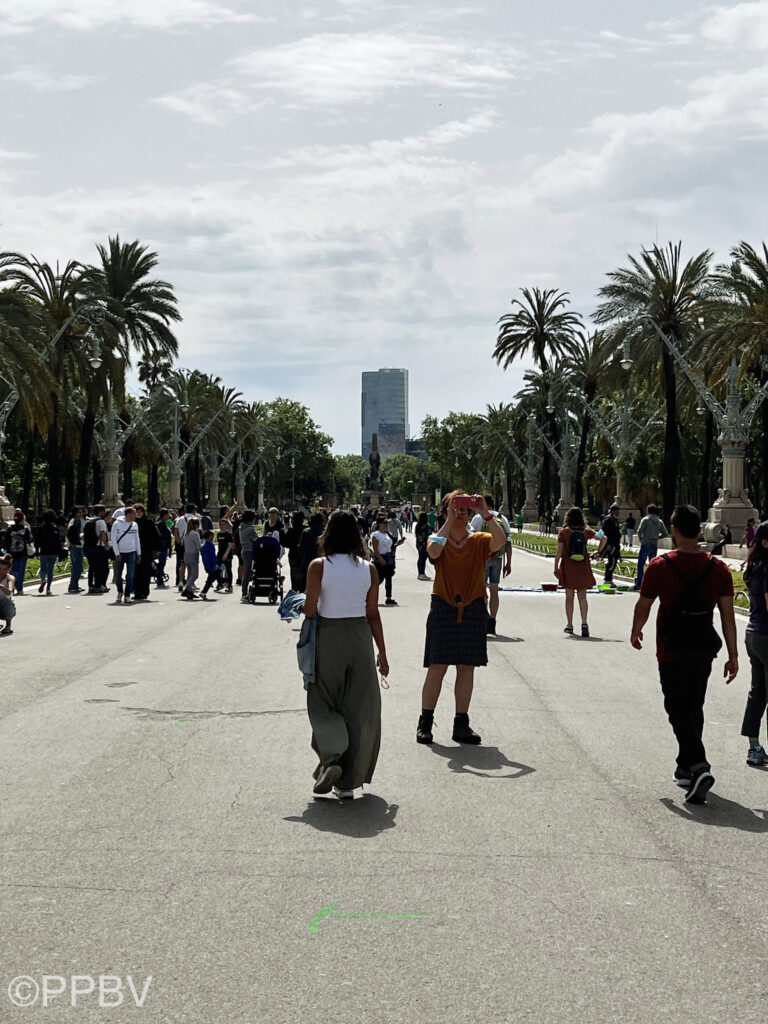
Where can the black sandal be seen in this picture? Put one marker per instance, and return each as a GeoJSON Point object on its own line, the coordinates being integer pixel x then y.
{"type": "Point", "coordinates": [569, 630]}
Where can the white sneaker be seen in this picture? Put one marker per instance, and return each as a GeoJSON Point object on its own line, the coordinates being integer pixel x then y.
{"type": "Point", "coordinates": [344, 794]}
{"type": "Point", "coordinates": [424, 576]}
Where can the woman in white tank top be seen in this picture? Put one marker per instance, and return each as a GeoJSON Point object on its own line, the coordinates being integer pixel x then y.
{"type": "Point", "coordinates": [344, 703]}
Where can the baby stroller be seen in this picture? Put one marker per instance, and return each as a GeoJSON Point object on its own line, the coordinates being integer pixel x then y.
{"type": "Point", "coordinates": [266, 576]}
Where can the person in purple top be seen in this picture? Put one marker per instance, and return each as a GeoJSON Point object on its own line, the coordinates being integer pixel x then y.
{"type": "Point", "coordinates": [756, 578]}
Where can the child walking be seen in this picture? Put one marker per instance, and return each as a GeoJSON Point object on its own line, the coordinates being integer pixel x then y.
{"type": "Point", "coordinates": [193, 544]}
{"type": "Point", "coordinates": [572, 568]}
{"type": "Point", "coordinates": [210, 562]}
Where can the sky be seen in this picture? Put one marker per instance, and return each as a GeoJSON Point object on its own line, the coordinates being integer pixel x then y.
{"type": "Point", "coordinates": [344, 185]}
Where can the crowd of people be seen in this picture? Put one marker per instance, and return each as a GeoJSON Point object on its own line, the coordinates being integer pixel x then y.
{"type": "Point", "coordinates": [337, 565]}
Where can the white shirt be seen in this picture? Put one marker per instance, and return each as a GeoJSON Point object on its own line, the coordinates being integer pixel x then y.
{"type": "Point", "coordinates": [478, 523]}
{"type": "Point", "coordinates": [385, 542]}
{"type": "Point", "coordinates": [101, 528]}
{"type": "Point", "coordinates": [125, 537]}
{"type": "Point", "coordinates": [181, 524]}
{"type": "Point", "coordinates": [345, 586]}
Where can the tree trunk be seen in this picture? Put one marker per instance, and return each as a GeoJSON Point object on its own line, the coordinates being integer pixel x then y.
{"type": "Point", "coordinates": [84, 458]}
{"type": "Point", "coordinates": [69, 481]}
{"type": "Point", "coordinates": [27, 472]}
{"type": "Point", "coordinates": [706, 469]}
{"type": "Point", "coordinates": [127, 466]}
{"type": "Point", "coordinates": [581, 462]}
{"type": "Point", "coordinates": [153, 495]}
{"type": "Point", "coordinates": [670, 462]}
{"type": "Point", "coordinates": [98, 478]}
{"type": "Point", "coordinates": [54, 460]}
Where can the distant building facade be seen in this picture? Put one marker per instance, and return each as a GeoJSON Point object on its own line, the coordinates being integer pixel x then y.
{"type": "Point", "coordinates": [384, 411]}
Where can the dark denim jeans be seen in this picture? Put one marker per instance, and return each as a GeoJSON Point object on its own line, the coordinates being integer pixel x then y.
{"type": "Point", "coordinates": [647, 552]}
{"type": "Point", "coordinates": [127, 562]}
{"type": "Point", "coordinates": [421, 562]}
{"type": "Point", "coordinates": [757, 701]}
{"type": "Point", "coordinates": [684, 685]}
{"type": "Point", "coordinates": [18, 569]}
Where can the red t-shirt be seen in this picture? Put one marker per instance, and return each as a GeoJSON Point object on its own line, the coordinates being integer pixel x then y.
{"type": "Point", "coordinates": [660, 580]}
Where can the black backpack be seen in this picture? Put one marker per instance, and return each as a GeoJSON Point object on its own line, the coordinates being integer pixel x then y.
{"type": "Point", "coordinates": [577, 546]}
{"type": "Point", "coordinates": [90, 537]}
{"type": "Point", "coordinates": [687, 628]}
{"type": "Point", "coordinates": [73, 533]}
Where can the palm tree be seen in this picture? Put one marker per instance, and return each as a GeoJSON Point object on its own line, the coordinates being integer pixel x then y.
{"type": "Point", "coordinates": [657, 293]}
{"type": "Point", "coordinates": [739, 322]}
{"type": "Point", "coordinates": [57, 295]}
{"type": "Point", "coordinates": [587, 364]}
{"type": "Point", "coordinates": [541, 325]}
{"type": "Point", "coordinates": [140, 309]}
{"type": "Point", "coordinates": [497, 432]}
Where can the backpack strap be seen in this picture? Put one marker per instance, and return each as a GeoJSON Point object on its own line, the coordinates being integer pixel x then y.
{"type": "Point", "coordinates": [690, 585]}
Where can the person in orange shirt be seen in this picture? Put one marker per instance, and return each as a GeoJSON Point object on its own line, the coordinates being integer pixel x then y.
{"type": "Point", "coordinates": [458, 619]}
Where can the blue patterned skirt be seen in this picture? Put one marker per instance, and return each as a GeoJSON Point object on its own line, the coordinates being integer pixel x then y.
{"type": "Point", "coordinates": [456, 643]}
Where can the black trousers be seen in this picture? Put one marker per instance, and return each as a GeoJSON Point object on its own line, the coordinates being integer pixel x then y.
{"type": "Point", "coordinates": [98, 566]}
{"type": "Point", "coordinates": [385, 574]}
{"type": "Point", "coordinates": [210, 579]}
{"type": "Point", "coordinates": [611, 561]}
{"type": "Point", "coordinates": [684, 685]}
{"type": "Point", "coordinates": [143, 577]}
{"type": "Point", "coordinates": [757, 649]}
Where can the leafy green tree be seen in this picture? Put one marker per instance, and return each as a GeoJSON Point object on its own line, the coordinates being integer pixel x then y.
{"type": "Point", "coordinates": [301, 439]}
{"type": "Point", "coordinates": [399, 473]}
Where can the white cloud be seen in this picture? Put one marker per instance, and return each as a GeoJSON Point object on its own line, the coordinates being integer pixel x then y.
{"type": "Point", "coordinates": [209, 103]}
{"type": "Point", "coordinates": [16, 155]}
{"type": "Point", "coordinates": [42, 80]}
{"type": "Point", "coordinates": [740, 25]}
{"type": "Point", "coordinates": [334, 69]}
{"type": "Point", "coordinates": [90, 15]}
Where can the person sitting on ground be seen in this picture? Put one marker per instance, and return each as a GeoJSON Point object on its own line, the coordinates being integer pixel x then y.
{"type": "Point", "coordinates": [7, 583]}
{"type": "Point", "coordinates": [572, 568]}
{"type": "Point", "coordinates": [457, 623]}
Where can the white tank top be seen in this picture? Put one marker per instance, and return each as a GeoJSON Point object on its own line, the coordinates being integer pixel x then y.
{"type": "Point", "coordinates": [346, 582]}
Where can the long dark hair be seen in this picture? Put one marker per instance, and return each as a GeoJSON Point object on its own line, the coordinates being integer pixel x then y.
{"type": "Point", "coordinates": [574, 519]}
{"type": "Point", "coordinates": [758, 555]}
{"type": "Point", "coordinates": [341, 536]}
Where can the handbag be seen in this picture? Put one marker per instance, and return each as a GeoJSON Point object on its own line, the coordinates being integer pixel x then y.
{"type": "Point", "coordinates": [30, 550]}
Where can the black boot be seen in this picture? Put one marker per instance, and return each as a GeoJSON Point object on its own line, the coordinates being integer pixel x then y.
{"type": "Point", "coordinates": [424, 728]}
{"type": "Point", "coordinates": [462, 732]}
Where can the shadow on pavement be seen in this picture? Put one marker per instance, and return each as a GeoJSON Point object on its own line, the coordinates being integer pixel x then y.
{"type": "Point", "coordinates": [480, 761]}
{"type": "Point", "coordinates": [498, 639]}
{"type": "Point", "coordinates": [594, 639]}
{"type": "Point", "coordinates": [722, 813]}
{"type": "Point", "coordinates": [363, 818]}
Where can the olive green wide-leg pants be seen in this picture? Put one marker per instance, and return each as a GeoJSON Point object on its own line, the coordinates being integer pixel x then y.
{"type": "Point", "coordinates": [344, 702]}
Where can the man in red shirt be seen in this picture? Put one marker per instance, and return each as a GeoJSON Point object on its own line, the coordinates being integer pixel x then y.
{"type": "Point", "coordinates": [689, 584]}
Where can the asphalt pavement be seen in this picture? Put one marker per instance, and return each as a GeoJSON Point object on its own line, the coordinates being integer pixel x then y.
{"type": "Point", "coordinates": [157, 819]}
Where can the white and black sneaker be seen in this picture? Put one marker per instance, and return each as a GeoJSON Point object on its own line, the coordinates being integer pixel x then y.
{"type": "Point", "coordinates": [702, 781]}
{"type": "Point", "coordinates": [682, 777]}
{"type": "Point", "coordinates": [326, 777]}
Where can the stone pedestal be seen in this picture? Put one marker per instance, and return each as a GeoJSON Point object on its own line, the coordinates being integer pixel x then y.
{"type": "Point", "coordinates": [566, 497]}
{"type": "Point", "coordinates": [530, 509]}
{"type": "Point", "coordinates": [214, 504]}
{"type": "Point", "coordinates": [330, 500]}
{"type": "Point", "coordinates": [423, 500]}
{"type": "Point", "coordinates": [372, 498]}
{"type": "Point", "coordinates": [111, 497]}
{"type": "Point", "coordinates": [174, 491]}
{"type": "Point", "coordinates": [240, 495]}
{"type": "Point", "coordinates": [732, 505]}
{"type": "Point", "coordinates": [6, 508]}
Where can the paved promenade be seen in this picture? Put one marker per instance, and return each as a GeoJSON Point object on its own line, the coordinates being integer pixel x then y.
{"type": "Point", "coordinates": [156, 818]}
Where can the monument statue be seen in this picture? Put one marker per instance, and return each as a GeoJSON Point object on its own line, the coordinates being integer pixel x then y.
{"type": "Point", "coordinates": [421, 478]}
{"type": "Point", "coordinates": [374, 461]}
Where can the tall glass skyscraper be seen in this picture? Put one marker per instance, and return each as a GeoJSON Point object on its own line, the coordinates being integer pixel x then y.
{"type": "Point", "coordinates": [385, 411]}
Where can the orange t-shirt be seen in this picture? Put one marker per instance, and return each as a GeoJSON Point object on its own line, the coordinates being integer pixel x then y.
{"type": "Point", "coordinates": [460, 572]}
